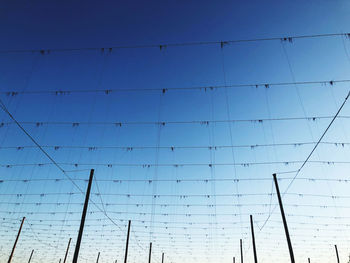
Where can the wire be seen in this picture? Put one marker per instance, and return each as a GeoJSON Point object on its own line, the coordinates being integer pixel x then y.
{"type": "Point", "coordinates": [176, 165]}
{"type": "Point", "coordinates": [164, 90]}
{"type": "Point", "coordinates": [179, 44]}
{"type": "Point", "coordinates": [308, 157]}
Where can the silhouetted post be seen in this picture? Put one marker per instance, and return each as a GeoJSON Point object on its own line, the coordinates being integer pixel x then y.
{"type": "Point", "coordinates": [240, 243]}
{"type": "Point", "coordinates": [98, 257]}
{"type": "Point", "coordinates": [336, 252]}
{"type": "Point", "coordinates": [14, 245]}
{"type": "Point", "coordinates": [150, 252]}
{"type": "Point", "coordinates": [162, 257]}
{"type": "Point", "coordinates": [284, 220]}
{"type": "Point", "coordinates": [65, 256]}
{"type": "Point", "coordinates": [308, 260]}
{"type": "Point", "coordinates": [31, 254]}
{"type": "Point", "coordinates": [59, 261]}
{"type": "Point", "coordinates": [81, 229]}
{"type": "Point", "coordinates": [127, 243]}
{"type": "Point", "coordinates": [234, 260]}
{"type": "Point", "coordinates": [253, 239]}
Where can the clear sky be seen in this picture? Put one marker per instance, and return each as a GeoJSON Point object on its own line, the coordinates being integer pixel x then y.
{"type": "Point", "coordinates": [178, 147]}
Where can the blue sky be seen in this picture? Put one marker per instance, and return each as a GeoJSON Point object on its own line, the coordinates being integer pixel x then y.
{"type": "Point", "coordinates": [117, 133]}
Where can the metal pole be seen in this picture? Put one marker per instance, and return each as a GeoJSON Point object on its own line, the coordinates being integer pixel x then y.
{"type": "Point", "coordinates": [234, 260]}
{"type": "Point", "coordinates": [308, 260]}
{"type": "Point", "coordinates": [127, 243]}
{"type": "Point", "coordinates": [240, 242]}
{"type": "Point", "coordinates": [31, 254]}
{"type": "Point", "coordinates": [253, 239]}
{"type": "Point", "coordinates": [162, 257]}
{"type": "Point", "coordinates": [150, 252]}
{"type": "Point", "coordinates": [284, 220]}
{"type": "Point", "coordinates": [336, 251]}
{"type": "Point", "coordinates": [14, 245]}
{"type": "Point", "coordinates": [81, 229]}
{"type": "Point", "coordinates": [98, 257]}
{"type": "Point", "coordinates": [65, 256]}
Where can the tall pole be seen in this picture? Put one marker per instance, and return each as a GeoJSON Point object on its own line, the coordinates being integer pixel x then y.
{"type": "Point", "coordinates": [162, 257]}
{"type": "Point", "coordinates": [14, 245]}
{"type": "Point", "coordinates": [150, 252]}
{"type": "Point", "coordinates": [240, 243]}
{"type": "Point", "coordinates": [253, 239]}
{"type": "Point", "coordinates": [81, 229]}
{"type": "Point", "coordinates": [65, 256]}
{"type": "Point", "coordinates": [98, 257]}
{"type": "Point", "coordinates": [284, 220]}
{"type": "Point", "coordinates": [31, 254]}
{"type": "Point", "coordinates": [127, 243]}
{"type": "Point", "coordinates": [336, 252]}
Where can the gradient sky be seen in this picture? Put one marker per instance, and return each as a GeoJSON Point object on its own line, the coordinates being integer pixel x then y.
{"type": "Point", "coordinates": [190, 199]}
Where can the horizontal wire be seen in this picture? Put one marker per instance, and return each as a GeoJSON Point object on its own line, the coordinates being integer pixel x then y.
{"type": "Point", "coordinates": [176, 205]}
{"type": "Point", "coordinates": [172, 148]}
{"type": "Point", "coordinates": [101, 228]}
{"type": "Point", "coordinates": [148, 165]}
{"type": "Point", "coordinates": [178, 44]}
{"type": "Point", "coordinates": [179, 180]}
{"type": "Point", "coordinates": [164, 90]}
{"type": "Point", "coordinates": [178, 195]}
{"type": "Point", "coordinates": [184, 235]}
{"type": "Point", "coordinates": [187, 224]}
{"type": "Point", "coordinates": [171, 214]}
{"type": "Point", "coordinates": [164, 123]}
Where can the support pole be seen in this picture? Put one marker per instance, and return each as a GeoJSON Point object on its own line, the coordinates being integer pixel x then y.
{"type": "Point", "coordinates": [253, 239]}
{"type": "Point", "coordinates": [14, 245]}
{"type": "Point", "coordinates": [336, 252]}
{"type": "Point", "coordinates": [98, 257]}
{"type": "Point", "coordinates": [162, 257]}
{"type": "Point", "coordinates": [81, 229]}
{"type": "Point", "coordinates": [240, 242]}
{"type": "Point", "coordinates": [31, 254]}
{"type": "Point", "coordinates": [150, 252]}
{"type": "Point", "coordinates": [65, 256]}
{"type": "Point", "coordinates": [127, 243]}
{"type": "Point", "coordinates": [284, 220]}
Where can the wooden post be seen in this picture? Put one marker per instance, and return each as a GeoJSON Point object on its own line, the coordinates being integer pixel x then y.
{"type": "Point", "coordinates": [253, 239]}
{"type": "Point", "coordinates": [31, 255]}
{"type": "Point", "coordinates": [81, 229]}
{"type": "Point", "coordinates": [127, 243]}
{"type": "Point", "coordinates": [14, 245]}
{"type": "Point", "coordinates": [291, 254]}
{"type": "Point", "coordinates": [98, 257]}
{"type": "Point", "coordinates": [150, 252]}
{"type": "Point", "coordinates": [240, 242]}
{"type": "Point", "coordinates": [162, 257]}
{"type": "Point", "coordinates": [65, 256]}
{"type": "Point", "coordinates": [336, 252]}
